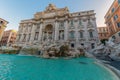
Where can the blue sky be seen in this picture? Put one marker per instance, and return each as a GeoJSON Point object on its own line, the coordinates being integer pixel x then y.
{"type": "Point", "coordinates": [16, 10]}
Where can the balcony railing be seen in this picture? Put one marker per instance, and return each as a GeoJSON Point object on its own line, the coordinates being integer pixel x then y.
{"type": "Point", "coordinates": [72, 39]}
{"type": "Point", "coordinates": [92, 39]}
{"type": "Point", "coordinates": [82, 39]}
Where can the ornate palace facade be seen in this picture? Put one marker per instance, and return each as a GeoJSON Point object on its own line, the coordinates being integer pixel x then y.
{"type": "Point", "coordinates": [59, 25]}
{"type": "Point", "coordinates": [8, 38]}
{"type": "Point", "coordinates": [112, 20]}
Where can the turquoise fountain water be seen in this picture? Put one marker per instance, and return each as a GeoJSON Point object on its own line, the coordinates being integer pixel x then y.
{"type": "Point", "coordinates": [13, 67]}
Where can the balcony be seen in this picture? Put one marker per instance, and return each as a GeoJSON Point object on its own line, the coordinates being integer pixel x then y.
{"type": "Point", "coordinates": [72, 39]}
{"type": "Point", "coordinates": [82, 39]}
{"type": "Point", "coordinates": [92, 39]}
{"type": "Point", "coordinates": [80, 27]}
{"type": "Point", "coordinates": [72, 27]}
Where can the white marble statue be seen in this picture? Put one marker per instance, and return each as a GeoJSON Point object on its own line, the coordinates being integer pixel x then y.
{"type": "Point", "coordinates": [111, 49]}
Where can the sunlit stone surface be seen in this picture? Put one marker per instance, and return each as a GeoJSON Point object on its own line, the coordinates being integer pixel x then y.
{"type": "Point", "coordinates": [57, 26]}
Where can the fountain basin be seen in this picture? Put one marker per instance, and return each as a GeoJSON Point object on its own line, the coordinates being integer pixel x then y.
{"type": "Point", "coordinates": [14, 67]}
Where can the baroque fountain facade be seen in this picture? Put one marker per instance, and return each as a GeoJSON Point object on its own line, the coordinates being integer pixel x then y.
{"type": "Point", "coordinates": [56, 27]}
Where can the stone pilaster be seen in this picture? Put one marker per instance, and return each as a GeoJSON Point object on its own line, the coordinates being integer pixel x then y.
{"type": "Point", "coordinates": [32, 33]}
{"type": "Point", "coordinates": [77, 35]}
{"type": "Point", "coordinates": [17, 38]}
{"type": "Point", "coordinates": [21, 38]}
{"type": "Point", "coordinates": [56, 31]}
{"type": "Point", "coordinates": [40, 32]}
{"type": "Point", "coordinates": [42, 36]}
{"type": "Point", "coordinates": [27, 36]}
{"type": "Point", "coordinates": [66, 30]}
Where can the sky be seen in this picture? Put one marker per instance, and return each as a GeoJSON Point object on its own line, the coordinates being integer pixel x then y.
{"type": "Point", "coordinates": [16, 10]}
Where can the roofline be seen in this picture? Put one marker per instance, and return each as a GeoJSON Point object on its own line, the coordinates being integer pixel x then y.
{"type": "Point", "coordinates": [83, 11]}
{"type": "Point", "coordinates": [110, 8]}
{"type": "Point", "coordinates": [4, 20]}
